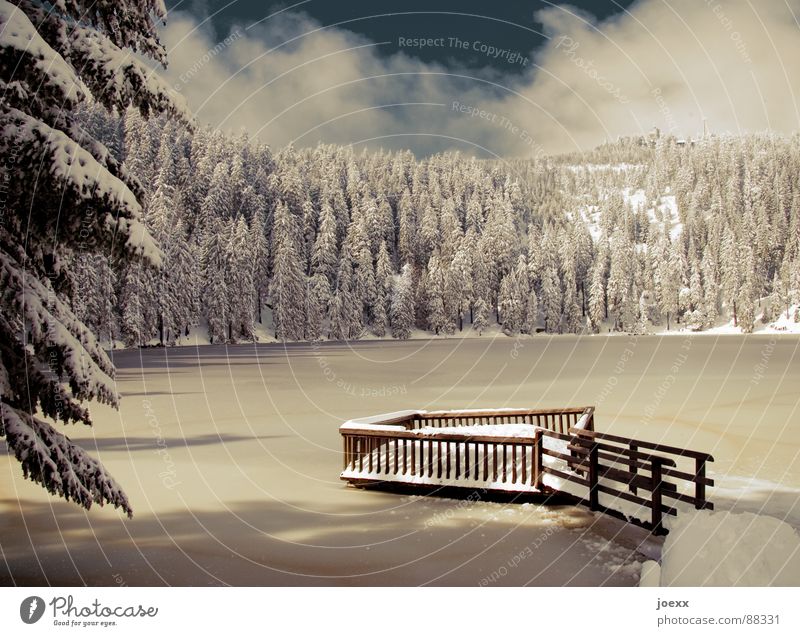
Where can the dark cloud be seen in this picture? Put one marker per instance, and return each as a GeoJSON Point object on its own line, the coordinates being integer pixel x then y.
{"type": "Point", "coordinates": [670, 64]}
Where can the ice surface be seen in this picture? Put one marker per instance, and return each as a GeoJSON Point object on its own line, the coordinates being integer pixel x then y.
{"type": "Point", "coordinates": [231, 458]}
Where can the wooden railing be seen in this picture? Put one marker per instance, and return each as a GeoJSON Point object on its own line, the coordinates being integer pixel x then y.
{"type": "Point", "coordinates": [446, 455]}
{"type": "Point", "coordinates": [560, 420]}
{"type": "Point", "coordinates": [595, 459]}
{"type": "Point", "coordinates": [648, 474]}
{"type": "Point", "coordinates": [508, 463]}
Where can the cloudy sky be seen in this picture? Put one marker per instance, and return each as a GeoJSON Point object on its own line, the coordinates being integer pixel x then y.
{"type": "Point", "coordinates": [503, 78]}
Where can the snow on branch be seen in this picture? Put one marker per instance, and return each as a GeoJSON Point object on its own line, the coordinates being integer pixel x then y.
{"type": "Point", "coordinates": [24, 52]}
{"type": "Point", "coordinates": [106, 55]}
{"type": "Point", "coordinates": [118, 79]}
{"type": "Point", "coordinates": [78, 174]}
{"type": "Point", "coordinates": [53, 327]}
{"type": "Point", "coordinates": [54, 461]}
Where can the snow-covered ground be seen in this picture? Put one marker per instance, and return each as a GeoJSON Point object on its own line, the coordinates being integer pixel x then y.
{"type": "Point", "coordinates": [264, 334]}
{"type": "Point", "coordinates": [231, 458]}
{"type": "Point", "coordinates": [726, 549]}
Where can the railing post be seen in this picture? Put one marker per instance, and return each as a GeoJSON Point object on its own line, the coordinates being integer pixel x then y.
{"type": "Point", "coordinates": [633, 466]}
{"type": "Point", "coordinates": [536, 478]}
{"type": "Point", "coordinates": [655, 487]}
{"type": "Point", "coordinates": [700, 486]}
{"type": "Point", "coordinates": [594, 495]}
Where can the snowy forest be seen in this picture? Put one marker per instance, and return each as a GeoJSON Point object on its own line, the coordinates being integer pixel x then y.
{"type": "Point", "coordinates": [331, 243]}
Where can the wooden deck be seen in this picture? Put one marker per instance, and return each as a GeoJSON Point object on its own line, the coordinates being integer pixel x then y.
{"type": "Point", "coordinates": [527, 452]}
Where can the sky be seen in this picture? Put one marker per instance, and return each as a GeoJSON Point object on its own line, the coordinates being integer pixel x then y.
{"type": "Point", "coordinates": [494, 79]}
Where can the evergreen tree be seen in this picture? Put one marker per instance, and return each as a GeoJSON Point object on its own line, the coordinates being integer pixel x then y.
{"type": "Point", "coordinates": [67, 194]}
{"type": "Point", "coordinates": [260, 260]}
{"type": "Point", "coordinates": [513, 298]}
{"type": "Point", "coordinates": [324, 257]}
{"type": "Point", "coordinates": [288, 287]}
{"type": "Point", "coordinates": [747, 292]}
{"type": "Point", "coordinates": [383, 287]}
{"type": "Point", "coordinates": [215, 299]}
{"type": "Point", "coordinates": [551, 299]}
{"type": "Point", "coordinates": [434, 283]}
{"type": "Point", "coordinates": [480, 319]}
{"type": "Point", "coordinates": [531, 312]}
{"type": "Point", "coordinates": [402, 307]}
{"type": "Point", "coordinates": [318, 298]}
{"type": "Point", "coordinates": [597, 297]}
{"type": "Point", "coordinates": [241, 285]}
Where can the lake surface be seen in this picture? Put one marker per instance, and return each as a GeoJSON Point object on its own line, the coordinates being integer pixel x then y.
{"type": "Point", "coordinates": [231, 457]}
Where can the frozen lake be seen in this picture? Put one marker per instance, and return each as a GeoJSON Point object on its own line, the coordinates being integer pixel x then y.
{"type": "Point", "coordinates": [231, 456]}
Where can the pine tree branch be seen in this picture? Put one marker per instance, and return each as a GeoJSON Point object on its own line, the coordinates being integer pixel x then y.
{"type": "Point", "coordinates": [54, 461]}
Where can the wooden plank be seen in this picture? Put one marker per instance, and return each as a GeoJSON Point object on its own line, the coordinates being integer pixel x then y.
{"type": "Point", "coordinates": [699, 504]}
{"type": "Point", "coordinates": [593, 478]}
{"type": "Point", "coordinates": [623, 452]}
{"type": "Point", "coordinates": [634, 499]}
{"type": "Point", "coordinates": [556, 435]}
{"type": "Point", "coordinates": [655, 488]}
{"type": "Point", "coordinates": [562, 475]}
{"type": "Point", "coordinates": [552, 453]}
{"type": "Point", "coordinates": [700, 487]}
{"type": "Point", "coordinates": [450, 434]}
{"type": "Point", "coordinates": [370, 443]}
{"type": "Point", "coordinates": [514, 463]}
{"type": "Point", "coordinates": [490, 413]}
{"type": "Point", "coordinates": [660, 448]}
{"type": "Point", "coordinates": [536, 477]}
{"type": "Point", "coordinates": [671, 472]}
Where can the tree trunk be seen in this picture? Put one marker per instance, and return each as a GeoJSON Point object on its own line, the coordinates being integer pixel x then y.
{"type": "Point", "coordinates": [161, 329]}
{"type": "Point", "coordinates": [583, 300]}
{"type": "Point", "coordinates": [734, 314]}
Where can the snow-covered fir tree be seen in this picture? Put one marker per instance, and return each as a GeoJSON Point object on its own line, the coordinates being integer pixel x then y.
{"type": "Point", "coordinates": [288, 286]}
{"type": "Point", "coordinates": [77, 198]}
{"type": "Point", "coordinates": [402, 304]}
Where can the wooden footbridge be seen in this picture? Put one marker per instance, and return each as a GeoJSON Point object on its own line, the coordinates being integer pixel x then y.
{"type": "Point", "coordinates": [525, 451]}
